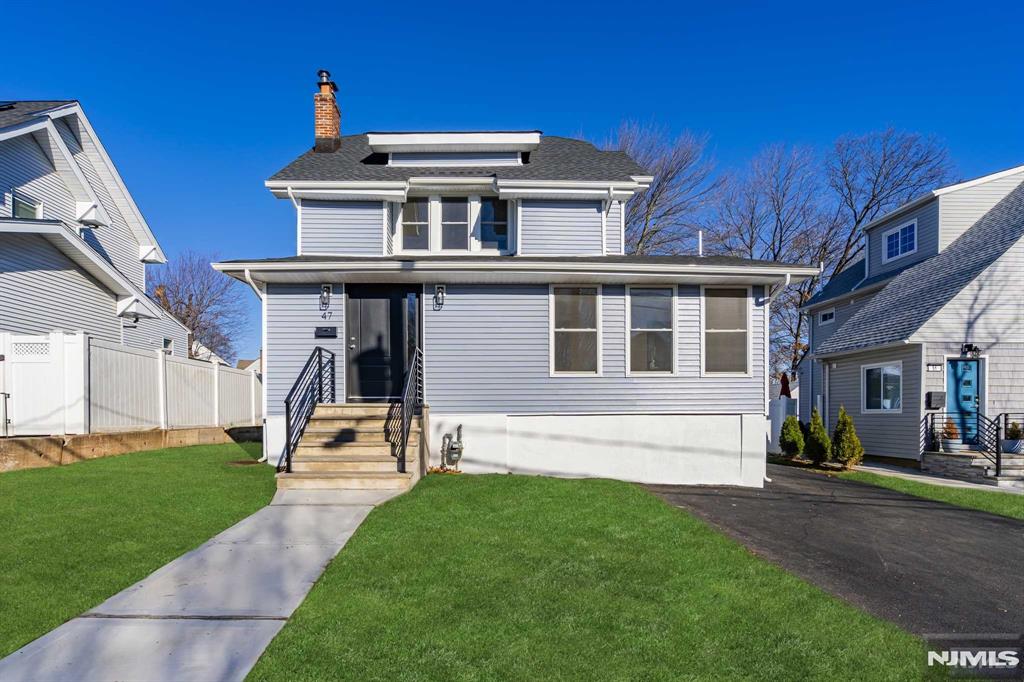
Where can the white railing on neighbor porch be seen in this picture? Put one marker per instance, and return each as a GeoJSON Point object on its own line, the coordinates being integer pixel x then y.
{"type": "Point", "coordinates": [58, 384]}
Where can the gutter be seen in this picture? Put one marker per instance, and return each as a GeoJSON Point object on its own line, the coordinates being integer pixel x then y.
{"type": "Point", "coordinates": [249, 280]}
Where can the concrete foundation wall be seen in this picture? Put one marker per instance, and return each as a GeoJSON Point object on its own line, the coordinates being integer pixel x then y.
{"type": "Point", "coordinates": [650, 448]}
{"type": "Point", "coordinates": [49, 451]}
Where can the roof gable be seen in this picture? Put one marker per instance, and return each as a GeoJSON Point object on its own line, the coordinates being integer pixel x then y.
{"type": "Point", "coordinates": [917, 293]}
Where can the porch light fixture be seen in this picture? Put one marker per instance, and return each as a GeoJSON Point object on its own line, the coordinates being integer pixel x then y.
{"type": "Point", "coordinates": [325, 296]}
{"type": "Point", "coordinates": [440, 291]}
{"type": "Point", "coordinates": [970, 350]}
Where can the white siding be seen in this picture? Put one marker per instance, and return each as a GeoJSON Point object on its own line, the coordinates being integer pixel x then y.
{"type": "Point", "coordinates": [960, 209]}
{"type": "Point", "coordinates": [293, 313]}
{"type": "Point", "coordinates": [349, 228]}
{"type": "Point", "coordinates": [927, 217]}
{"type": "Point", "coordinates": [27, 169]}
{"type": "Point", "coordinates": [487, 350]}
{"type": "Point", "coordinates": [41, 290]}
{"type": "Point", "coordinates": [613, 237]}
{"type": "Point", "coordinates": [565, 228]}
{"type": "Point", "coordinates": [150, 334]}
{"type": "Point", "coordinates": [1002, 375]}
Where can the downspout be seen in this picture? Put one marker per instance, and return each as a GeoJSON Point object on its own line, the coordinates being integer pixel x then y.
{"type": "Point", "coordinates": [263, 311]}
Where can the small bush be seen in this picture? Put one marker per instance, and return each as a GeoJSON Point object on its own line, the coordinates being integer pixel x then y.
{"type": "Point", "coordinates": [791, 437]}
{"type": "Point", "coordinates": [846, 447]}
{"type": "Point", "coordinates": [818, 447]}
{"type": "Point", "coordinates": [1013, 432]}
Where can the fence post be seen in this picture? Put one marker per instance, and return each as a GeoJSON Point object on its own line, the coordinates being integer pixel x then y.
{"type": "Point", "coordinates": [161, 370]}
{"type": "Point", "coordinates": [252, 395]}
{"type": "Point", "coordinates": [216, 393]}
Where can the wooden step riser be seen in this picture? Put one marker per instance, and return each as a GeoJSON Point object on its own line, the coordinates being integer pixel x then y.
{"type": "Point", "coordinates": [396, 483]}
{"type": "Point", "coordinates": [307, 449]}
{"type": "Point", "coordinates": [319, 438]}
{"type": "Point", "coordinates": [346, 423]}
{"type": "Point", "coordinates": [324, 466]}
{"type": "Point", "coordinates": [352, 411]}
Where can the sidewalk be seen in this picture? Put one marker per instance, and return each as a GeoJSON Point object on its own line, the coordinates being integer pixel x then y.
{"type": "Point", "coordinates": [912, 475]}
{"type": "Point", "coordinates": [209, 614]}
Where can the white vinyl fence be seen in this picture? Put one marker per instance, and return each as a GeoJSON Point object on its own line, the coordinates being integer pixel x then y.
{"type": "Point", "coordinates": [61, 383]}
{"type": "Point", "coordinates": [778, 410]}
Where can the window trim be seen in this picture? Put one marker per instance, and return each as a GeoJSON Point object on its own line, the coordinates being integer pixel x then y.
{"type": "Point", "coordinates": [474, 227]}
{"type": "Point", "coordinates": [864, 409]}
{"type": "Point", "coordinates": [822, 323]}
{"type": "Point", "coordinates": [36, 204]}
{"type": "Point", "coordinates": [897, 229]}
{"type": "Point", "coordinates": [750, 331]}
{"type": "Point", "coordinates": [599, 302]}
{"type": "Point", "coordinates": [675, 334]}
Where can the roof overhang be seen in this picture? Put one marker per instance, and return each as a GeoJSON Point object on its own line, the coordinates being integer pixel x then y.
{"type": "Point", "coordinates": [512, 141]}
{"type": "Point", "coordinates": [400, 190]}
{"type": "Point", "coordinates": [865, 349]}
{"type": "Point", "coordinates": [131, 301]}
{"type": "Point", "coordinates": [512, 270]}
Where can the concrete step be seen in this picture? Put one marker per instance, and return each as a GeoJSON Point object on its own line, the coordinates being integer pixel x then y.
{"type": "Point", "coordinates": [1010, 482]}
{"type": "Point", "coordinates": [352, 410]}
{"type": "Point", "coordinates": [345, 464]}
{"type": "Point", "coordinates": [365, 448]}
{"type": "Point", "coordinates": [366, 480]}
{"type": "Point", "coordinates": [359, 435]}
{"type": "Point", "coordinates": [379, 423]}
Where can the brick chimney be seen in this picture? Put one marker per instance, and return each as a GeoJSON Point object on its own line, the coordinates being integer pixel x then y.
{"type": "Point", "coordinates": [326, 117]}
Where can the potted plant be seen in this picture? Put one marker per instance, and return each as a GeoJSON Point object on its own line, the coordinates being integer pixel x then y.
{"type": "Point", "coordinates": [950, 435]}
{"type": "Point", "coordinates": [1013, 439]}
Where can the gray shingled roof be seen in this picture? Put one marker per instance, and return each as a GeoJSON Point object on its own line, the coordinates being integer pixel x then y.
{"type": "Point", "coordinates": [918, 292]}
{"type": "Point", "coordinates": [557, 158]}
{"type": "Point", "coordinates": [667, 260]}
{"type": "Point", "coordinates": [842, 282]}
{"type": "Point", "coordinates": [13, 113]}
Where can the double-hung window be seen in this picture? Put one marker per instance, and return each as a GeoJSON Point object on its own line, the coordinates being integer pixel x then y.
{"type": "Point", "coordinates": [899, 241]}
{"type": "Point", "coordinates": [416, 224]}
{"type": "Point", "coordinates": [454, 224]}
{"type": "Point", "coordinates": [882, 387]}
{"type": "Point", "coordinates": [726, 331]}
{"type": "Point", "coordinates": [494, 223]}
{"type": "Point", "coordinates": [651, 328]}
{"type": "Point", "coordinates": [575, 324]}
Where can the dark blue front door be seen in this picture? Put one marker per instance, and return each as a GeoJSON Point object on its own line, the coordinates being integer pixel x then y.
{"type": "Point", "coordinates": [963, 397]}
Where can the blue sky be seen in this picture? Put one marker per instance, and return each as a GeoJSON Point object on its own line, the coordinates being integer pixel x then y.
{"type": "Point", "coordinates": [198, 105]}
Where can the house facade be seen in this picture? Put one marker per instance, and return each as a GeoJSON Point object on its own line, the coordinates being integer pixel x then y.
{"type": "Point", "coordinates": [492, 265]}
{"type": "Point", "coordinates": [73, 245]}
{"type": "Point", "coordinates": [926, 329]}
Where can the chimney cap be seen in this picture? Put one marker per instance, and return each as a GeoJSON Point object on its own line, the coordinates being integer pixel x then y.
{"type": "Point", "coordinates": [324, 77]}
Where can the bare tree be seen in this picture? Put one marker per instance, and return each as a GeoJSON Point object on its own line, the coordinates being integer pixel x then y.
{"type": "Point", "coordinates": [207, 302]}
{"type": "Point", "coordinates": [875, 173]}
{"type": "Point", "coordinates": [664, 218]}
{"type": "Point", "coordinates": [776, 211]}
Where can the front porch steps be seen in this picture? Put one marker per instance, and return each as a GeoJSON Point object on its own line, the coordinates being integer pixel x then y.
{"type": "Point", "coordinates": [349, 447]}
{"type": "Point", "coordinates": [966, 464]}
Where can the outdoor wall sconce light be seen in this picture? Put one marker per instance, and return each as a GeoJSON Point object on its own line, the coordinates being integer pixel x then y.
{"type": "Point", "coordinates": [970, 350]}
{"type": "Point", "coordinates": [325, 296]}
{"type": "Point", "coordinates": [440, 291]}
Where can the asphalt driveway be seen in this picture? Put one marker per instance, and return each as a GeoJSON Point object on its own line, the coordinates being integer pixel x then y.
{"type": "Point", "coordinates": [930, 567]}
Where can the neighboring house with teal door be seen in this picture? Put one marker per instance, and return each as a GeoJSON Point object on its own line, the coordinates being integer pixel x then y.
{"type": "Point", "coordinates": [924, 336]}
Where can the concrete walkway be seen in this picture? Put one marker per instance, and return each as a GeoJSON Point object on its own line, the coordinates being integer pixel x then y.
{"type": "Point", "coordinates": [913, 475]}
{"type": "Point", "coordinates": [209, 614]}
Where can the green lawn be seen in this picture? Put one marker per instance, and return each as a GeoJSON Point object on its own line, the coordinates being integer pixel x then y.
{"type": "Point", "coordinates": [1004, 504]}
{"type": "Point", "coordinates": [510, 577]}
{"type": "Point", "coordinates": [75, 535]}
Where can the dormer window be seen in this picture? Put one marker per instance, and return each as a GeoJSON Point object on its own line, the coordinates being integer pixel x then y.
{"type": "Point", "coordinates": [452, 225]}
{"type": "Point", "coordinates": [899, 241]}
{"type": "Point", "coordinates": [24, 208]}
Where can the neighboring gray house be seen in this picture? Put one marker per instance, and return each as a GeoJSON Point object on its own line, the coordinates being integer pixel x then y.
{"type": "Point", "coordinates": [491, 265]}
{"type": "Point", "coordinates": [935, 306]}
{"type": "Point", "coordinates": [73, 244]}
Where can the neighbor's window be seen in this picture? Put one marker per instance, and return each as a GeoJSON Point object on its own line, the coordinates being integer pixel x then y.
{"type": "Point", "coordinates": [726, 331]}
{"type": "Point", "coordinates": [416, 224]}
{"type": "Point", "coordinates": [650, 329]}
{"type": "Point", "coordinates": [22, 207]}
{"type": "Point", "coordinates": [900, 241]}
{"type": "Point", "coordinates": [882, 386]}
{"type": "Point", "coordinates": [574, 328]}
{"type": "Point", "coordinates": [169, 345]}
{"type": "Point", "coordinates": [494, 223]}
{"type": "Point", "coordinates": [454, 224]}
{"type": "Point", "coordinates": [827, 316]}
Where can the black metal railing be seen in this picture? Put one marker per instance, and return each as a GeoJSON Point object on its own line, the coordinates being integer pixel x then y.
{"type": "Point", "coordinates": [410, 403]}
{"type": "Point", "coordinates": [315, 385]}
{"type": "Point", "coordinates": [974, 433]}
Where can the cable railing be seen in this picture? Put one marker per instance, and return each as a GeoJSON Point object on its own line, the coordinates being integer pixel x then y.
{"type": "Point", "coordinates": [314, 385]}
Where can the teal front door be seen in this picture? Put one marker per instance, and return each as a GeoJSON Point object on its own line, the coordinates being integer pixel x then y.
{"type": "Point", "coordinates": [963, 397]}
